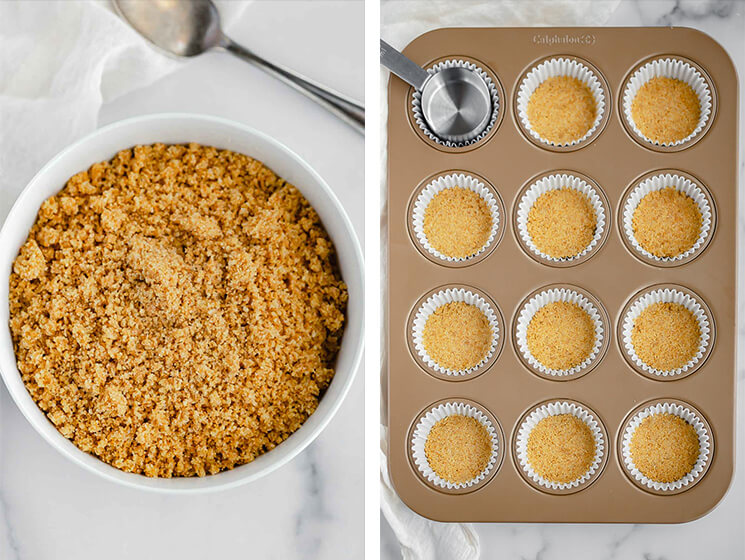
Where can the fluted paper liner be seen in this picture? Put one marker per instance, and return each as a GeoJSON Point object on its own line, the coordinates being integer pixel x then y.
{"type": "Point", "coordinates": [554, 68]}
{"type": "Point", "coordinates": [554, 409]}
{"type": "Point", "coordinates": [669, 68]}
{"type": "Point", "coordinates": [439, 299]}
{"type": "Point", "coordinates": [421, 432]}
{"type": "Point", "coordinates": [666, 295]}
{"type": "Point", "coordinates": [704, 441]}
{"type": "Point", "coordinates": [539, 301]}
{"type": "Point", "coordinates": [446, 182]}
{"type": "Point", "coordinates": [659, 182]}
{"type": "Point", "coordinates": [554, 182]}
{"type": "Point", "coordinates": [416, 104]}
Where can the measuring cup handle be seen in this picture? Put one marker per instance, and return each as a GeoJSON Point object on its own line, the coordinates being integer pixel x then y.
{"type": "Point", "coordinates": [402, 66]}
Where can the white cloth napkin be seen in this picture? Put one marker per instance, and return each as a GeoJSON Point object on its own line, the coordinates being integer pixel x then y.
{"type": "Point", "coordinates": [59, 62]}
{"type": "Point", "coordinates": [401, 22]}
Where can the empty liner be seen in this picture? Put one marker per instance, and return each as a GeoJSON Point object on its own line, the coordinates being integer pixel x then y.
{"type": "Point", "coordinates": [704, 441]}
{"type": "Point", "coordinates": [541, 300]}
{"type": "Point", "coordinates": [552, 68]}
{"type": "Point", "coordinates": [416, 104]}
{"type": "Point", "coordinates": [554, 409]}
{"type": "Point", "coordinates": [439, 299]}
{"type": "Point", "coordinates": [675, 69]}
{"type": "Point", "coordinates": [446, 182]}
{"type": "Point", "coordinates": [681, 184]}
{"type": "Point", "coordinates": [666, 295]}
{"type": "Point", "coordinates": [421, 432]}
{"type": "Point", "coordinates": [555, 182]}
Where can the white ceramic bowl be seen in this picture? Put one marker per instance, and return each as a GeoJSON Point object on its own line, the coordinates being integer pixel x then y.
{"type": "Point", "coordinates": [102, 145]}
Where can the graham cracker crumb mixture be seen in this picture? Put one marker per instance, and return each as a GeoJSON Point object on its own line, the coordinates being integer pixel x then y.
{"type": "Point", "coordinates": [176, 310]}
{"type": "Point", "coordinates": [457, 335]}
{"type": "Point", "coordinates": [664, 447]}
{"type": "Point", "coordinates": [561, 448]}
{"type": "Point", "coordinates": [562, 109]}
{"type": "Point", "coordinates": [562, 223]}
{"type": "Point", "coordinates": [457, 222]}
{"type": "Point", "coordinates": [666, 336]}
{"type": "Point", "coordinates": [458, 448]}
{"type": "Point", "coordinates": [561, 335]}
{"type": "Point", "coordinates": [665, 109]}
{"type": "Point", "coordinates": [666, 222]}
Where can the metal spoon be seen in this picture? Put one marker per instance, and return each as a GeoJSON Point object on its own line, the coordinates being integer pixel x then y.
{"type": "Point", "coordinates": [456, 102]}
{"type": "Point", "coordinates": [189, 28]}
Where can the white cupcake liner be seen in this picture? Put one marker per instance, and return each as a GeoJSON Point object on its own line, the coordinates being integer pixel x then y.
{"type": "Point", "coordinates": [554, 409]}
{"type": "Point", "coordinates": [439, 299]}
{"type": "Point", "coordinates": [421, 433]}
{"type": "Point", "coordinates": [669, 68]}
{"type": "Point", "coordinates": [553, 68]}
{"type": "Point", "coordinates": [446, 182]}
{"type": "Point", "coordinates": [539, 301]}
{"type": "Point", "coordinates": [416, 104]}
{"type": "Point", "coordinates": [659, 182]}
{"type": "Point", "coordinates": [704, 441]}
{"type": "Point", "coordinates": [666, 295]}
{"type": "Point", "coordinates": [554, 182]}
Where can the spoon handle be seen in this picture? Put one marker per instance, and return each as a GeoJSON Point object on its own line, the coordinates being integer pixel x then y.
{"type": "Point", "coordinates": [342, 106]}
{"type": "Point", "coordinates": [402, 66]}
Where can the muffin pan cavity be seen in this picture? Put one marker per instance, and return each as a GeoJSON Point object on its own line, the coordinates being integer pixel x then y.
{"type": "Point", "coordinates": [419, 123]}
{"type": "Point", "coordinates": [689, 193]}
{"type": "Point", "coordinates": [453, 217]}
{"type": "Point", "coordinates": [423, 462]}
{"type": "Point", "coordinates": [576, 86]}
{"type": "Point", "coordinates": [603, 270]}
{"type": "Point", "coordinates": [677, 79]}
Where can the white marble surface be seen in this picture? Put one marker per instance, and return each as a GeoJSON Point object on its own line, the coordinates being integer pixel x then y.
{"type": "Point", "coordinates": [721, 534]}
{"type": "Point", "coordinates": [312, 507]}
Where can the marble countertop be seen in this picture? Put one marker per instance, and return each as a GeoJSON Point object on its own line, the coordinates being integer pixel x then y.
{"type": "Point", "coordinates": [311, 508]}
{"type": "Point", "coordinates": [721, 534]}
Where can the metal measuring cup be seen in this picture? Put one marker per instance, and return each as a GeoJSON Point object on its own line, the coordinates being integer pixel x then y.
{"type": "Point", "coordinates": [456, 102]}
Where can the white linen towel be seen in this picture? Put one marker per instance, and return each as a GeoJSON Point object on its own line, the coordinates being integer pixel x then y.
{"type": "Point", "coordinates": [59, 62]}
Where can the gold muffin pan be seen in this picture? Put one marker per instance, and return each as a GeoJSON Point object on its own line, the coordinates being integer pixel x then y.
{"type": "Point", "coordinates": [612, 275]}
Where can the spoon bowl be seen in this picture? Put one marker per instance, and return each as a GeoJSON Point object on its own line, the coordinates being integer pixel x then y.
{"type": "Point", "coordinates": [179, 28]}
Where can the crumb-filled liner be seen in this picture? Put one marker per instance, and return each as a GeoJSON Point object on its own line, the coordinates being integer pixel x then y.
{"type": "Point", "coordinates": [666, 295]}
{"type": "Point", "coordinates": [528, 311]}
{"type": "Point", "coordinates": [447, 182]}
{"type": "Point", "coordinates": [555, 182]}
{"type": "Point", "coordinates": [704, 441]}
{"type": "Point", "coordinates": [421, 122]}
{"type": "Point", "coordinates": [681, 184]}
{"type": "Point", "coordinates": [555, 409]}
{"type": "Point", "coordinates": [424, 426]}
{"type": "Point", "coordinates": [675, 69]}
{"type": "Point", "coordinates": [552, 68]}
{"type": "Point", "coordinates": [444, 297]}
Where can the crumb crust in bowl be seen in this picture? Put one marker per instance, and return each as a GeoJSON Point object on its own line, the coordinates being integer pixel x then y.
{"type": "Point", "coordinates": [176, 311]}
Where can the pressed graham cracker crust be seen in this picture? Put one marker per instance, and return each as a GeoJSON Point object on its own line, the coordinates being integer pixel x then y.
{"type": "Point", "coordinates": [561, 335]}
{"type": "Point", "coordinates": [457, 336]}
{"type": "Point", "coordinates": [176, 311]}
{"type": "Point", "coordinates": [665, 109]}
{"type": "Point", "coordinates": [666, 336]}
{"type": "Point", "coordinates": [666, 222]}
{"type": "Point", "coordinates": [664, 447]}
{"type": "Point", "coordinates": [457, 222]}
{"type": "Point", "coordinates": [562, 222]}
{"type": "Point", "coordinates": [562, 109]}
{"type": "Point", "coordinates": [561, 448]}
{"type": "Point", "coordinates": [458, 448]}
